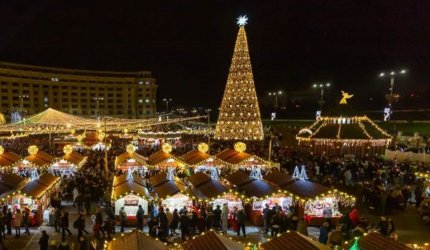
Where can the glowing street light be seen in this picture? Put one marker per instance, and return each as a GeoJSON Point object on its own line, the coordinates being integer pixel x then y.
{"type": "Point", "coordinates": [321, 86]}
{"type": "Point", "coordinates": [391, 96]}
{"type": "Point", "coordinates": [167, 101]}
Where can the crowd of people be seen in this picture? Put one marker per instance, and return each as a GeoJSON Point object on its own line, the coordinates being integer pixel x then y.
{"type": "Point", "coordinates": [379, 185]}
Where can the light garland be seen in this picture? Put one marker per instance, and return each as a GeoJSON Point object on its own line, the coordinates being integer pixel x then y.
{"type": "Point", "coordinates": [239, 116]}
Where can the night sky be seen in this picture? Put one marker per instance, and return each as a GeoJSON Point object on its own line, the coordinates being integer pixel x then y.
{"type": "Point", "coordinates": [188, 44]}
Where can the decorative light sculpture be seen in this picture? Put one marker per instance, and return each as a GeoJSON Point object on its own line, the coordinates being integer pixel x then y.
{"type": "Point", "coordinates": [240, 147]}
{"type": "Point", "coordinates": [32, 150]}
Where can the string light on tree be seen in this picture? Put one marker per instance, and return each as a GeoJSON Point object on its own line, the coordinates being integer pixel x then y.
{"type": "Point", "coordinates": [296, 173]}
{"type": "Point", "coordinates": [303, 175]}
{"type": "Point", "coordinates": [239, 117]}
{"type": "Point", "coordinates": [256, 173]}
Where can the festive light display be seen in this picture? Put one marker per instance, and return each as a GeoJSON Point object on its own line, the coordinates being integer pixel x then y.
{"type": "Point", "coordinates": [256, 174]}
{"type": "Point", "coordinates": [1, 150]}
{"type": "Point", "coordinates": [32, 150]}
{"type": "Point", "coordinates": [167, 148]}
{"type": "Point", "coordinates": [345, 97]}
{"type": "Point", "coordinates": [203, 147]}
{"type": "Point", "coordinates": [68, 149]}
{"type": "Point", "coordinates": [130, 148]}
{"type": "Point", "coordinates": [240, 147]}
{"type": "Point", "coordinates": [2, 119]}
{"type": "Point", "coordinates": [239, 116]}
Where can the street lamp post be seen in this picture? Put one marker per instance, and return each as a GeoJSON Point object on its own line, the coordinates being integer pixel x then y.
{"type": "Point", "coordinates": [321, 101]}
{"type": "Point", "coordinates": [275, 94]}
{"type": "Point", "coordinates": [167, 101]}
{"type": "Point", "coordinates": [21, 102]}
{"type": "Point", "coordinates": [391, 96]}
{"type": "Point", "coordinates": [98, 99]}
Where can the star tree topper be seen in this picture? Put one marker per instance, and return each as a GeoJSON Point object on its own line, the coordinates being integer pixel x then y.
{"type": "Point", "coordinates": [242, 20]}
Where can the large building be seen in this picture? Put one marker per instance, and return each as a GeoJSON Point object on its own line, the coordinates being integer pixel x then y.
{"type": "Point", "coordinates": [32, 89]}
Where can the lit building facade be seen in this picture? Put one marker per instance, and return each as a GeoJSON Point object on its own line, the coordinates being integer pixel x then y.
{"type": "Point", "coordinates": [32, 89]}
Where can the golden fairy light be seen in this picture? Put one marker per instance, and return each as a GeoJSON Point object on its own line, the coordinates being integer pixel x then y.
{"type": "Point", "coordinates": [68, 149]}
{"type": "Point", "coordinates": [240, 147]}
{"type": "Point", "coordinates": [1, 150]}
{"type": "Point", "coordinates": [130, 149]}
{"type": "Point", "coordinates": [167, 148]}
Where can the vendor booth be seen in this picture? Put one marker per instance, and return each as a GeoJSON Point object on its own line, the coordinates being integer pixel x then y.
{"type": "Point", "coordinates": [200, 161]}
{"type": "Point", "coordinates": [211, 241]}
{"type": "Point", "coordinates": [7, 159]}
{"type": "Point", "coordinates": [258, 193]}
{"type": "Point", "coordinates": [35, 160]}
{"type": "Point", "coordinates": [312, 199]}
{"type": "Point", "coordinates": [36, 197]}
{"type": "Point", "coordinates": [69, 163]}
{"type": "Point", "coordinates": [129, 191]}
{"type": "Point", "coordinates": [131, 160]}
{"type": "Point", "coordinates": [376, 241]}
{"type": "Point", "coordinates": [161, 160]}
{"type": "Point", "coordinates": [10, 184]}
{"type": "Point", "coordinates": [237, 159]}
{"type": "Point", "coordinates": [170, 190]}
{"type": "Point", "coordinates": [159, 134]}
{"type": "Point", "coordinates": [292, 240]}
{"type": "Point", "coordinates": [135, 240]}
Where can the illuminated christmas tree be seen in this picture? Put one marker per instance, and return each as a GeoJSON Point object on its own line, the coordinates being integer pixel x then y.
{"type": "Point", "coordinates": [239, 115]}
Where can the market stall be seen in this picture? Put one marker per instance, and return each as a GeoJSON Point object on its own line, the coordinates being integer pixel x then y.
{"type": "Point", "coordinates": [238, 159]}
{"type": "Point", "coordinates": [375, 241]}
{"type": "Point", "coordinates": [292, 240]}
{"type": "Point", "coordinates": [200, 161]}
{"type": "Point", "coordinates": [7, 159]}
{"type": "Point", "coordinates": [162, 159]}
{"type": "Point", "coordinates": [129, 191]}
{"type": "Point", "coordinates": [257, 192]}
{"type": "Point", "coordinates": [312, 199]}
{"type": "Point", "coordinates": [36, 160]}
{"type": "Point", "coordinates": [343, 132]}
{"type": "Point", "coordinates": [135, 240]}
{"type": "Point", "coordinates": [10, 184]}
{"type": "Point", "coordinates": [131, 160]}
{"type": "Point", "coordinates": [170, 190]}
{"type": "Point", "coordinates": [69, 163]}
{"type": "Point", "coordinates": [159, 134]}
{"type": "Point", "coordinates": [211, 241]}
{"type": "Point", "coordinates": [36, 197]}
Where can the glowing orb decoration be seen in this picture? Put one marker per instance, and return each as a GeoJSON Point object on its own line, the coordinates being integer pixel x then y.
{"type": "Point", "coordinates": [101, 136]}
{"type": "Point", "coordinates": [240, 147]}
{"type": "Point", "coordinates": [72, 131]}
{"type": "Point", "coordinates": [68, 149]}
{"type": "Point", "coordinates": [203, 147]}
{"type": "Point", "coordinates": [167, 148]}
{"type": "Point", "coordinates": [32, 150]}
{"type": "Point", "coordinates": [126, 131]}
{"type": "Point", "coordinates": [130, 148]}
{"type": "Point", "coordinates": [242, 20]}
{"type": "Point", "coordinates": [80, 138]}
{"type": "Point", "coordinates": [1, 150]}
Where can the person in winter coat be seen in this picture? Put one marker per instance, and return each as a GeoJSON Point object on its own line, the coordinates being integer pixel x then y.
{"type": "Point", "coordinates": [122, 218]}
{"type": "Point", "coordinates": [26, 220]}
{"type": "Point", "coordinates": [324, 230]}
{"type": "Point", "coordinates": [9, 218]}
{"type": "Point", "coordinates": [175, 222]}
{"type": "Point", "coordinates": [65, 224]}
{"type": "Point", "coordinates": [224, 218]}
{"type": "Point", "coordinates": [184, 225]}
{"type": "Point", "coordinates": [44, 241]}
{"type": "Point", "coordinates": [276, 224]}
{"type": "Point", "coordinates": [17, 221]}
{"type": "Point", "coordinates": [139, 217]}
{"type": "Point", "coordinates": [164, 224]}
{"type": "Point", "coordinates": [240, 218]}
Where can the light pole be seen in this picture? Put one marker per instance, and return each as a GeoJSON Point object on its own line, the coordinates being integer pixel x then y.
{"type": "Point", "coordinates": [21, 102]}
{"type": "Point", "coordinates": [98, 99]}
{"type": "Point", "coordinates": [208, 111]}
{"type": "Point", "coordinates": [391, 96]}
{"type": "Point", "coordinates": [167, 101]}
{"type": "Point", "coordinates": [275, 94]}
{"type": "Point", "coordinates": [321, 86]}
